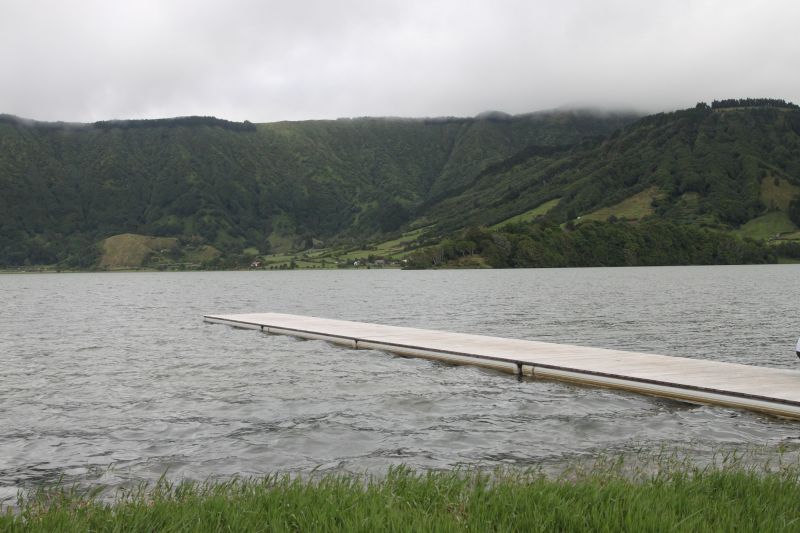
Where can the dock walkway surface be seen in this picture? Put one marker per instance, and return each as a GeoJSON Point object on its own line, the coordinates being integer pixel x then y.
{"type": "Point", "coordinates": [767, 390]}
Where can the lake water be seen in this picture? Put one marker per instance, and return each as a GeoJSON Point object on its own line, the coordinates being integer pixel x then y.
{"type": "Point", "coordinates": [113, 378]}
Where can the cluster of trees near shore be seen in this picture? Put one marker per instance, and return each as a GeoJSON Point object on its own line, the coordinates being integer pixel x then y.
{"type": "Point", "coordinates": [544, 244]}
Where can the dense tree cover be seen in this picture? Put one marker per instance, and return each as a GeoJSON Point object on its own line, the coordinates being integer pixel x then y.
{"type": "Point", "coordinates": [789, 249]}
{"type": "Point", "coordinates": [64, 187]}
{"type": "Point", "coordinates": [651, 243]}
{"type": "Point", "coordinates": [752, 102]}
{"type": "Point", "coordinates": [794, 210]}
{"type": "Point", "coordinates": [235, 186]}
{"type": "Point", "coordinates": [708, 165]}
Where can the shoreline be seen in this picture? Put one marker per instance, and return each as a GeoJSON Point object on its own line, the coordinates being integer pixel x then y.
{"type": "Point", "coordinates": [610, 494]}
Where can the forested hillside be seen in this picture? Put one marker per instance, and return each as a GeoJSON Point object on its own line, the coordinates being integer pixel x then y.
{"type": "Point", "coordinates": [718, 168]}
{"type": "Point", "coordinates": [206, 182]}
{"type": "Point", "coordinates": [713, 184]}
{"type": "Point", "coordinates": [545, 189]}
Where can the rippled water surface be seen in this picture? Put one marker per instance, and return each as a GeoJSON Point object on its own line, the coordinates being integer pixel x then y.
{"type": "Point", "coordinates": [115, 377]}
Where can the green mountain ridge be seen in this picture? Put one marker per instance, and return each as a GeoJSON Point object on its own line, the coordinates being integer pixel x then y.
{"type": "Point", "coordinates": [229, 190]}
{"type": "Point", "coordinates": [234, 186]}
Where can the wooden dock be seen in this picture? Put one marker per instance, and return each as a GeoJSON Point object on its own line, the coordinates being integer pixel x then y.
{"type": "Point", "coordinates": [767, 390]}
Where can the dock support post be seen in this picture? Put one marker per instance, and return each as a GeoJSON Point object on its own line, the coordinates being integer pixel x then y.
{"type": "Point", "coordinates": [519, 369]}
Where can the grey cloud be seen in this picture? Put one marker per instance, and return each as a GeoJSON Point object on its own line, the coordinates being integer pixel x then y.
{"type": "Point", "coordinates": [265, 61]}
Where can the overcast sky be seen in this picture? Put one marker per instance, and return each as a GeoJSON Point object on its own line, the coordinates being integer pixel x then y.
{"type": "Point", "coordinates": [265, 61]}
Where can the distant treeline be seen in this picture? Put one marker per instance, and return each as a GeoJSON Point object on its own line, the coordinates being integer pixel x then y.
{"type": "Point", "coordinates": [753, 102]}
{"type": "Point", "coordinates": [189, 122]}
{"type": "Point", "coordinates": [176, 122]}
{"type": "Point", "coordinates": [650, 243]}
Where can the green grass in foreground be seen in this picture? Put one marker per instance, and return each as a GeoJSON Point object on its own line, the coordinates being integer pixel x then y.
{"type": "Point", "coordinates": [686, 499]}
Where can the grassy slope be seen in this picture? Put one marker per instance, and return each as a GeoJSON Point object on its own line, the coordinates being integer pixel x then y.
{"type": "Point", "coordinates": [392, 249]}
{"type": "Point", "coordinates": [529, 216]}
{"type": "Point", "coordinates": [769, 226]}
{"type": "Point", "coordinates": [776, 194]}
{"type": "Point", "coordinates": [131, 251]}
{"type": "Point", "coordinates": [636, 207]}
